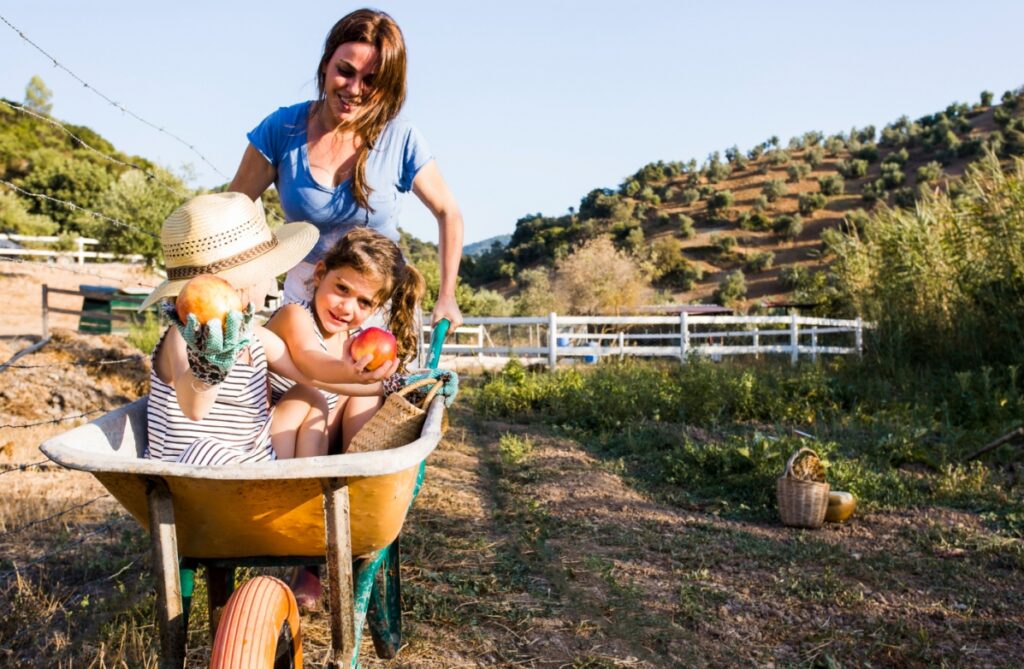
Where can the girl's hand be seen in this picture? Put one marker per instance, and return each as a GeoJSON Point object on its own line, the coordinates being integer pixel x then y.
{"type": "Point", "coordinates": [446, 307]}
{"type": "Point", "coordinates": [359, 372]}
{"type": "Point", "coordinates": [449, 382]}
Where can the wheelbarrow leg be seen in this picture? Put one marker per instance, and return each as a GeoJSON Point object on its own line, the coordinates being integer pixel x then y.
{"type": "Point", "coordinates": [170, 616]}
{"type": "Point", "coordinates": [220, 583]}
{"type": "Point", "coordinates": [385, 605]}
{"type": "Point", "coordinates": [339, 573]}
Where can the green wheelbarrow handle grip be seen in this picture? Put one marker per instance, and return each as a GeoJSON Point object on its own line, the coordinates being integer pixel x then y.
{"type": "Point", "coordinates": [437, 337]}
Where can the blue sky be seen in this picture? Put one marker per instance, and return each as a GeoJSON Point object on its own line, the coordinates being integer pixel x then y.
{"type": "Point", "coordinates": [527, 105]}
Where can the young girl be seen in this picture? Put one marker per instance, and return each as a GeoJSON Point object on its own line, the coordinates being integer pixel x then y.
{"type": "Point", "coordinates": [362, 273]}
{"type": "Point", "coordinates": [208, 400]}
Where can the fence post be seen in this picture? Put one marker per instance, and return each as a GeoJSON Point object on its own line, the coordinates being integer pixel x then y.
{"type": "Point", "coordinates": [794, 339]}
{"type": "Point", "coordinates": [46, 311]}
{"type": "Point", "coordinates": [552, 340]}
{"type": "Point", "coordinates": [684, 335]}
{"type": "Point", "coordinates": [858, 336]}
{"type": "Point", "coordinates": [622, 344]}
{"type": "Point", "coordinates": [814, 344]}
{"type": "Point", "coordinates": [81, 250]}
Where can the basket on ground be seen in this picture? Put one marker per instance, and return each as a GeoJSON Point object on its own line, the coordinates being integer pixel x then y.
{"type": "Point", "coordinates": [802, 502]}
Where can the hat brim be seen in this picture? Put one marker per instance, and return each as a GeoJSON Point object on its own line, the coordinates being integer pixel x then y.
{"type": "Point", "coordinates": [294, 242]}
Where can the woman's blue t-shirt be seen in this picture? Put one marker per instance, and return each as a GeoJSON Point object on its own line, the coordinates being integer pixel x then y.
{"type": "Point", "coordinates": [391, 166]}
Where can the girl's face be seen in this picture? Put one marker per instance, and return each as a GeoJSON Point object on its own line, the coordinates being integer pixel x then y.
{"type": "Point", "coordinates": [348, 79]}
{"type": "Point", "coordinates": [344, 298]}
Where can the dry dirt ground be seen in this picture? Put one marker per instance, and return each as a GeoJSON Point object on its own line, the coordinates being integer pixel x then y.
{"type": "Point", "coordinates": [548, 559]}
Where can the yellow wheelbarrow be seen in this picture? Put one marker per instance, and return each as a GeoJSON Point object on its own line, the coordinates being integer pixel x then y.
{"type": "Point", "coordinates": [343, 510]}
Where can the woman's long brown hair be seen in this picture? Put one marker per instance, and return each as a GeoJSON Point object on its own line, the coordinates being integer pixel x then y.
{"type": "Point", "coordinates": [387, 95]}
{"type": "Point", "coordinates": [372, 253]}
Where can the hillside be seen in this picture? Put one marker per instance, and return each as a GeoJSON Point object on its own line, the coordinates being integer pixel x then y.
{"type": "Point", "coordinates": [765, 212]}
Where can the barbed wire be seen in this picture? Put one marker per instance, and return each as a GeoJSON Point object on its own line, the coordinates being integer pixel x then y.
{"type": "Point", "coordinates": [72, 270]}
{"type": "Point", "coordinates": [21, 468]}
{"type": "Point", "coordinates": [114, 103]}
{"type": "Point", "coordinates": [84, 363]}
{"type": "Point", "coordinates": [75, 207]}
{"type": "Point", "coordinates": [149, 175]}
{"type": "Point", "coordinates": [53, 421]}
{"type": "Point", "coordinates": [64, 512]}
{"type": "Point", "coordinates": [46, 557]}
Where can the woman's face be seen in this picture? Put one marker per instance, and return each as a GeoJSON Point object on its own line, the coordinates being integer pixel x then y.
{"type": "Point", "coordinates": [344, 298]}
{"type": "Point", "coordinates": [348, 79]}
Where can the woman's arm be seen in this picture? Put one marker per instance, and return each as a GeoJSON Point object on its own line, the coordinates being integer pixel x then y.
{"type": "Point", "coordinates": [254, 174]}
{"type": "Point", "coordinates": [433, 192]}
{"type": "Point", "coordinates": [291, 324]}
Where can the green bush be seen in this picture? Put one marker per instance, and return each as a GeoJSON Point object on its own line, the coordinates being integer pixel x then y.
{"type": "Point", "coordinates": [892, 175]}
{"type": "Point", "coordinates": [904, 197]}
{"type": "Point", "coordinates": [773, 189]}
{"type": "Point", "coordinates": [690, 195]}
{"type": "Point", "coordinates": [724, 244]}
{"type": "Point", "coordinates": [811, 202]}
{"type": "Point", "coordinates": [832, 184]}
{"type": "Point", "coordinates": [853, 169]}
{"type": "Point", "coordinates": [759, 262]}
{"type": "Point", "coordinates": [755, 221]}
{"type": "Point", "coordinates": [719, 201]}
{"type": "Point", "coordinates": [815, 156]}
{"type": "Point", "coordinates": [685, 224]}
{"type": "Point", "coordinates": [868, 152]}
{"type": "Point", "coordinates": [929, 172]}
{"type": "Point", "coordinates": [788, 226]}
{"type": "Point", "coordinates": [834, 145]}
{"type": "Point", "coordinates": [759, 203]}
{"type": "Point", "coordinates": [857, 222]}
{"type": "Point", "coordinates": [898, 157]}
{"type": "Point", "coordinates": [778, 157]}
{"type": "Point", "coordinates": [731, 289]}
{"type": "Point", "coordinates": [797, 171]}
{"type": "Point", "coordinates": [874, 191]}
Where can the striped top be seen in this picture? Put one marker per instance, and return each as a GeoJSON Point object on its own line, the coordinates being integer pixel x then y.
{"type": "Point", "coordinates": [279, 385]}
{"type": "Point", "coordinates": [238, 421]}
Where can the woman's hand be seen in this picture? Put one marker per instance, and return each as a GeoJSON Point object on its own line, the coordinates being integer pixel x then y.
{"type": "Point", "coordinates": [446, 307]}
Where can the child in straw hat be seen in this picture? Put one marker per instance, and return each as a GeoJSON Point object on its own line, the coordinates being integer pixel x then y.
{"type": "Point", "coordinates": [208, 400]}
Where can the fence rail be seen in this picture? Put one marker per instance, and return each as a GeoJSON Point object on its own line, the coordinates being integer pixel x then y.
{"type": "Point", "coordinates": [594, 337]}
{"type": "Point", "coordinates": [80, 254]}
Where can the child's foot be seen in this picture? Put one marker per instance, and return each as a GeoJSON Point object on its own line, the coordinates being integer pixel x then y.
{"type": "Point", "coordinates": [306, 586]}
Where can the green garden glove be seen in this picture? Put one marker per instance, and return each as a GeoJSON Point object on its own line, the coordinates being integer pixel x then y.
{"type": "Point", "coordinates": [449, 382]}
{"type": "Point", "coordinates": [211, 348]}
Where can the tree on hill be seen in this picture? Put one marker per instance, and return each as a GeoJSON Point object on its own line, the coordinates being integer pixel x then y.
{"type": "Point", "coordinates": [38, 97]}
{"type": "Point", "coordinates": [731, 289]}
{"type": "Point", "coordinates": [597, 278]}
{"type": "Point", "coordinates": [536, 298]}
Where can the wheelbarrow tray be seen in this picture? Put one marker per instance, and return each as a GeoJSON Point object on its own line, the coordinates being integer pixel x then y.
{"type": "Point", "coordinates": [267, 509]}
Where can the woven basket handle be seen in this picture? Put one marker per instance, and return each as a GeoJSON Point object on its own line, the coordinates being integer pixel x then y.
{"type": "Point", "coordinates": [436, 385]}
{"type": "Point", "coordinates": [792, 459]}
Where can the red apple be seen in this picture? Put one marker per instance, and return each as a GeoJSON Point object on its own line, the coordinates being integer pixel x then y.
{"type": "Point", "coordinates": [207, 297]}
{"type": "Point", "coordinates": [379, 343]}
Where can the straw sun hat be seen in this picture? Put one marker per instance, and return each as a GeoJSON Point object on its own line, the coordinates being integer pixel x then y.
{"type": "Point", "coordinates": [226, 234]}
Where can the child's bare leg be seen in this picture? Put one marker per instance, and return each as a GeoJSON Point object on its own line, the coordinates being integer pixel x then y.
{"type": "Point", "coordinates": [357, 412]}
{"type": "Point", "coordinates": [299, 427]}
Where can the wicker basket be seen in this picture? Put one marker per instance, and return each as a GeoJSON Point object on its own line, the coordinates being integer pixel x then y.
{"type": "Point", "coordinates": [397, 423]}
{"type": "Point", "coordinates": [801, 503]}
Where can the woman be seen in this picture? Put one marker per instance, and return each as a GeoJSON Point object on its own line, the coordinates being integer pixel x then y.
{"type": "Point", "coordinates": [342, 160]}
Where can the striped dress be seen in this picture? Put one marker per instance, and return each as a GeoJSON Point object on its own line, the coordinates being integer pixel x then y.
{"type": "Point", "coordinates": [236, 429]}
{"type": "Point", "coordinates": [279, 385]}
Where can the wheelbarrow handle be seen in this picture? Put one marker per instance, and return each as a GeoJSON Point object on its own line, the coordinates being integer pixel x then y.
{"type": "Point", "coordinates": [437, 336]}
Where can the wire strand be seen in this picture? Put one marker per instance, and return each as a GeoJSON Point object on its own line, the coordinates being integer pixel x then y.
{"type": "Point", "coordinates": [114, 103]}
{"type": "Point", "coordinates": [75, 207]}
{"type": "Point", "coordinates": [53, 421]}
{"type": "Point", "coordinates": [64, 512]}
{"type": "Point", "coordinates": [72, 270]}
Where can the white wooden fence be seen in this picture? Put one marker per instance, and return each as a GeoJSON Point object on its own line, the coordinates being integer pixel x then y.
{"type": "Point", "coordinates": [80, 254]}
{"type": "Point", "coordinates": [594, 337]}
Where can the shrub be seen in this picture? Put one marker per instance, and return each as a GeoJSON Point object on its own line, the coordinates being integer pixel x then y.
{"type": "Point", "coordinates": [814, 156]}
{"type": "Point", "coordinates": [756, 152]}
{"type": "Point", "coordinates": [797, 171]}
{"type": "Point", "coordinates": [873, 190]}
{"type": "Point", "coordinates": [813, 138]}
{"type": "Point", "coordinates": [904, 197]}
{"type": "Point", "coordinates": [669, 193]}
{"type": "Point", "coordinates": [755, 221]}
{"type": "Point", "coordinates": [811, 202]}
{"type": "Point", "coordinates": [706, 191]}
{"type": "Point", "coordinates": [778, 157]}
{"type": "Point", "coordinates": [690, 195]}
{"type": "Point", "coordinates": [759, 262]}
{"type": "Point", "coordinates": [731, 289]}
{"type": "Point", "coordinates": [773, 189]}
{"type": "Point", "coordinates": [719, 201]}
{"type": "Point", "coordinates": [892, 175]}
{"type": "Point", "coordinates": [736, 157]}
{"type": "Point", "coordinates": [834, 145]}
{"type": "Point", "coordinates": [930, 172]}
{"type": "Point", "coordinates": [759, 203]}
{"type": "Point", "coordinates": [853, 168]}
{"type": "Point", "coordinates": [724, 244]}
{"type": "Point", "coordinates": [597, 278]}
{"type": "Point", "coordinates": [897, 157]}
{"type": "Point", "coordinates": [793, 276]}
{"type": "Point", "coordinates": [832, 184]}
{"type": "Point", "coordinates": [788, 226]}
{"type": "Point", "coordinates": [685, 224]}
{"type": "Point", "coordinates": [857, 222]}
{"type": "Point", "coordinates": [868, 152]}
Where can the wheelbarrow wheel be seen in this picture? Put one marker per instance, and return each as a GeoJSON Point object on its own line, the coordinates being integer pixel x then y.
{"type": "Point", "coordinates": [384, 614]}
{"type": "Point", "coordinates": [259, 628]}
